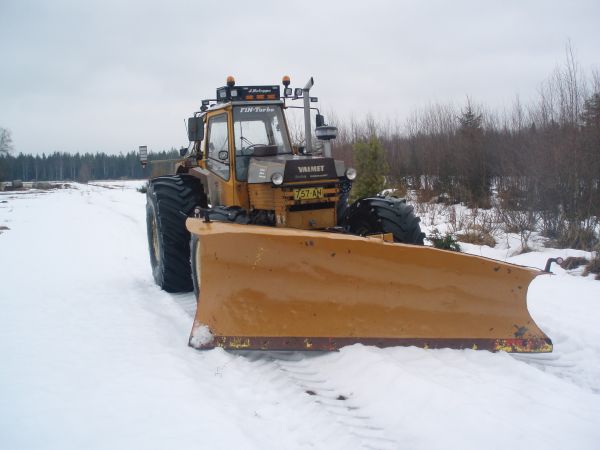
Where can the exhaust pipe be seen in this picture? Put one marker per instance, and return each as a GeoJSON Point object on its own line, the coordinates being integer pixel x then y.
{"type": "Point", "coordinates": [307, 132]}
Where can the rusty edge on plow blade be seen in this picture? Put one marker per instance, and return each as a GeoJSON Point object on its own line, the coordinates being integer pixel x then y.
{"type": "Point", "coordinates": [267, 288]}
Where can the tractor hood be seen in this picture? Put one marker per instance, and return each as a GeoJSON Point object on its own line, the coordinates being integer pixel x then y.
{"type": "Point", "coordinates": [294, 168]}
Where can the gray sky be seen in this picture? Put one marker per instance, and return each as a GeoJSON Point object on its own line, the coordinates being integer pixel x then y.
{"type": "Point", "coordinates": [105, 75]}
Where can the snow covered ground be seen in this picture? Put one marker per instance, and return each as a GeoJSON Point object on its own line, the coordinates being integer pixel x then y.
{"type": "Point", "coordinates": [93, 355]}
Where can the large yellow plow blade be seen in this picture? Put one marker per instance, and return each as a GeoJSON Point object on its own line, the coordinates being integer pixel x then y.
{"type": "Point", "coordinates": [274, 288]}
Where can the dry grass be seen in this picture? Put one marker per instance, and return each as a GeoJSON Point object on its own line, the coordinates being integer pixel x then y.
{"type": "Point", "coordinates": [425, 195]}
{"type": "Point", "coordinates": [477, 235]}
{"type": "Point", "coordinates": [593, 267]}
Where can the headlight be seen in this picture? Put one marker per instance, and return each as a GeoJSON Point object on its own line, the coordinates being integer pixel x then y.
{"type": "Point", "coordinates": [277, 179]}
{"type": "Point", "coordinates": [351, 174]}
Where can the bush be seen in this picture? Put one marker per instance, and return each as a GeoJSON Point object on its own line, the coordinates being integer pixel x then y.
{"type": "Point", "coordinates": [520, 222]}
{"type": "Point", "coordinates": [143, 188]}
{"type": "Point", "coordinates": [573, 262]}
{"type": "Point", "coordinates": [446, 242]}
{"type": "Point", "coordinates": [576, 235]}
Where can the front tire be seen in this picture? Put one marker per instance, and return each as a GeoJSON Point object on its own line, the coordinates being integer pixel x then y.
{"type": "Point", "coordinates": [384, 215]}
{"type": "Point", "coordinates": [170, 201]}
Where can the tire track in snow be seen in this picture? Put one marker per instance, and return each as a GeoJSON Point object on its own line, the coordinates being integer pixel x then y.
{"type": "Point", "coordinates": [115, 205]}
{"type": "Point", "coordinates": [300, 370]}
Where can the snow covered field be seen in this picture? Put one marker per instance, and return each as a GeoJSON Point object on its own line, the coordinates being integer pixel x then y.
{"type": "Point", "coordinates": [94, 356]}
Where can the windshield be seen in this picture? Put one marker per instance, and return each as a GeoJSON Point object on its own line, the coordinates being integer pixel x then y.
{"type": "Point", "coordinates": [257, 127]}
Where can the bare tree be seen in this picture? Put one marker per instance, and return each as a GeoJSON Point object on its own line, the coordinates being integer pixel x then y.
{"type": "Point", "coordinates": [5, 141]}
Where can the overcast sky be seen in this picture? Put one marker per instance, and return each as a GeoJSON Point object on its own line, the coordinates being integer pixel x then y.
{"type": "Point", "coordinates": [104, 75]}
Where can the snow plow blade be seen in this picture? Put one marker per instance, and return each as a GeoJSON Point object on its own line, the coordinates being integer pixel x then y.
{"type": "Point", "coordinates": [268, 288]}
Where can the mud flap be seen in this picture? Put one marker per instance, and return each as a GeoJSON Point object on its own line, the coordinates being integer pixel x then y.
{"type": "Point", "coordinates": [274, 288]}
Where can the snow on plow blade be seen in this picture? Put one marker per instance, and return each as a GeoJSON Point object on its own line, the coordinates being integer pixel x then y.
{"type": "Point", "coordinates": [275, 288]}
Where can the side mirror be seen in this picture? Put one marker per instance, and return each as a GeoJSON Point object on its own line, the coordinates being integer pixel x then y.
{"type": "Point", "coordinates": [183, 151]}
{"type": "Point", "coordinates": [320, 120]}
{"type": "Point", "coordinates": [195, 129]}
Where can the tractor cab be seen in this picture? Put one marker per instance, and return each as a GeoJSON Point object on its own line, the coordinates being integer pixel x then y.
{"type": "Point", "coordinates": [246, 159]}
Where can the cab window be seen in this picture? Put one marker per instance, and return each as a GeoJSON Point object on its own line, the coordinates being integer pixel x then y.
{"type": "Point", "coordinates": [256, 126]}
{"type": "Point", "coordinates": [218, 146]}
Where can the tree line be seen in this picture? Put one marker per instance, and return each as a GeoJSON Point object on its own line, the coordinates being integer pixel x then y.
{"type": "Point", "coordinates": [539, 163]}
{"type": "Point", "coordinates": [60, 166]}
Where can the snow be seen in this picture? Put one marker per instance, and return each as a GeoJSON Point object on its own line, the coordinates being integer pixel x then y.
{"type": "Point", "coordinates": [201, 335]}
{"type": "Point", "coordinates": [95, 356]}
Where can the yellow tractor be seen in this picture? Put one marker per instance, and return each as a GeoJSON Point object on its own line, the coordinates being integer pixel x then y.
{"type": "Point", "coordinates": [263, 232]}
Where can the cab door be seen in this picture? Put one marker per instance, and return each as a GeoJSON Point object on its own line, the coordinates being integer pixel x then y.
{"type": "Point", "coordinates": [218, 161]}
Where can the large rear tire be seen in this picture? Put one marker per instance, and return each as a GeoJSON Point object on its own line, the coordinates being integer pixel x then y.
{"type": "Point", "coordinates": [170, 201]}
{"type": "Point", "coordinates": [384, 215]}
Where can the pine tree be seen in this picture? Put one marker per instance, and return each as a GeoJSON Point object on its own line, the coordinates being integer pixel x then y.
{"type": "Point", "coordinates": [591, 112]}
{"type": "Point", "coordinates": [371, 166]}
{"type": "Point", "coordinates": [472, 160]}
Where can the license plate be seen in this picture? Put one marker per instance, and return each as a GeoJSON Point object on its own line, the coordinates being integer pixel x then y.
{"type": "Point", "coordinates": [308, 193]}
